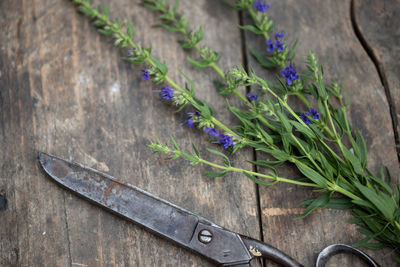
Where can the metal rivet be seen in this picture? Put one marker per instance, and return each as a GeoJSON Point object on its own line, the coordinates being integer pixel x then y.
{"type": "Point", "coordinates": [205, 236]}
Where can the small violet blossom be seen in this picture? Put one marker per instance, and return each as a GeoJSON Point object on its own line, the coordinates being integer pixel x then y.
{"type": "Point", "coordinates": [305, 119]}
{"type": "Point", "coordinates": [279, 35]}
{"type": "Point", "coordinates": [211, 131]}
{"type": "Point", "coordinates": [270, 45]}
{"type": "Point", "coordinates": [225, 141]}
{"type": "Point", "coordinates": [252, 97]}
{"type": "Point", "coordinates": [189, 118]}
{"type": "Point", "coordinates": [166, 93]}
{"type": "Point", "coordinates": [261, 6]}
{"type": "Point", "coordinates": [145, 74]}
{"type": "Point", "coordinates": [277, 43]}
{"type": "Point", "coordinates": [313, 113]}
{"type": "Point", "coordinates": [290, 74]}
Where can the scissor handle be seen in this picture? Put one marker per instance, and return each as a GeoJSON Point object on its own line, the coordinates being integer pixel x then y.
{"type": "Point", "coordinates": [262, 250]}
{"type": "Point", "coordinates": [331, 250]}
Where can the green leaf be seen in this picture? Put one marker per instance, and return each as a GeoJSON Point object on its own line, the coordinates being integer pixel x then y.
{"type": "Point", "coordinates": [319, 202]}
{"type": "Point", "coordinates": [383, 203]}
{"type": "Point", "coordinates": [339, 204]}
{"type": "Point", "coordinates": [312, 175]}
{"type": "Point", "coordinates": [167, 27]}
{"type": "Point", "coordinates": [160, 66]}
{"type": "Point", "coordinates": [195, 150]}
{"type": "Point", "coordinates": [198, 64]}
{"type": "Point", "coordinates": [130, 30]}
{"type": "Point", "coordinates": [176, 6]}
{"type": "Point", "coordinates": [106, 11]}
{"type": "Point", "coordinates": [251, 28]}
{"type": "Point", "coordinates": [355, 162]}
{"type": "Point", "coordinates": [285, 121]}
{"type": "Point", "coordinates": [293, 51]}
{"type": "Point", "coordinates": [215, 174]}
{"type": "Point", "coordinates": [303, 129]}
{"type": "Point", "coordinates": [362, 148]}
{"type": "Point", "coordinates": [174, 142]}
{"type": "Point", "coordinates": [276, 153]}
{"type": "Point", "coordinates": [266, 163]}
{"type": "Point", "coordinates": [265, 62]}
{"type": "Point", "coordinates": [218, 153]}
{"type": "Point", "coordinates": [259, 181]}
{"type": "Point", "coordinates": [382, 184]}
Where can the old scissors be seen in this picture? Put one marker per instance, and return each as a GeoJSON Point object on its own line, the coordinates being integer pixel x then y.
{"type": "Point", "coordinates": [180, 226]}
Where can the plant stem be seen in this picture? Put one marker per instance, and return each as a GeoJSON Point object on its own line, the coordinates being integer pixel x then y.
{"type": "Point", "coordinates": [279, 179]}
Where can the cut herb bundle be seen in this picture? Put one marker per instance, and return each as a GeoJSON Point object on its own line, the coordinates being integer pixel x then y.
{"type": "Point", "coordinates": [269, 124]}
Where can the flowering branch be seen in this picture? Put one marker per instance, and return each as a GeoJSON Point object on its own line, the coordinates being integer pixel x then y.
{"type": "Point", "coordinates": [297, 137]}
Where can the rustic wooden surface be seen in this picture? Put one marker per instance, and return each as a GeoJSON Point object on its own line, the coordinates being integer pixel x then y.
{"type": "Point", "coordinates": [65, 90]}
{"type": "Point", "coordinates": [378, 24]}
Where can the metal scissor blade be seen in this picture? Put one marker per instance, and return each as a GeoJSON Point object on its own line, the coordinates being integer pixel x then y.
{"type": "Point", "coordinates": [151, 212]}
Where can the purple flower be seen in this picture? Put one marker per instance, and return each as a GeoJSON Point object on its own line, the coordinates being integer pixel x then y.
{"type": "Point", "coordinates": [305, 119]}
{"type": "Point", "coordinates": [145, 74]}
{"type": "Point", "coordinates": [290, 74]}
{"type": "Point", "coordinates": [279, 45]}
{"type": "Point", "coordinates": [279, 35]}
{"type": "Point", "coordinates": [225, 141]}
{"type": "Point", "coordinates": [189, 118]}
{"type": "Point", "coordinates": [270, 45]}
{"type": "Point", "coordinates": [189, 121]}
{"type": "Point", "coordinates": [211, 131]}
{"type": "Point", "coordinates": [166, 93]}
{"type": "Point", "coordinates": [252, 97]}
{"type": "Point", "coordinates": [261, 6]}
{"type": "Point", "coordinates": [313, 113]}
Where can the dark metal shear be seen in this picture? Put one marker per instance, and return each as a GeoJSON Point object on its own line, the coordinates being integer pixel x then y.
{"type": "Point", "coordinates": [171, 222]}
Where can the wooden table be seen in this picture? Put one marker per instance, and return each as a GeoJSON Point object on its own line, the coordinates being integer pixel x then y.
{"type": "Point", "coordinates": [65, 90]}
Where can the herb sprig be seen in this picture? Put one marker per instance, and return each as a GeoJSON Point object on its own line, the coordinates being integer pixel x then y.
{"type": "Point", "coordinates": [270, 125]}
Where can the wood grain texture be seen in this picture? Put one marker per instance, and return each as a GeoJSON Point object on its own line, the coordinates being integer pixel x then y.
{"type": "Point", "coordinates": [379, 25]}
{"type": "Point", "coordinates": [65, 90]}
{"type": "Point", "coordinates": [325, 27]}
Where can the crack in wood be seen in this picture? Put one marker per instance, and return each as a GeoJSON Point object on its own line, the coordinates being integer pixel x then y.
{"type": "Point", "coordinates": [380, 69]}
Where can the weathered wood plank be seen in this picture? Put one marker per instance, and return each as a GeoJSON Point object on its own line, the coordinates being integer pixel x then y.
{"type": "Point", "coordinates": [325, 27]}
{"type": "Point", "coordinates": [66, 91]}
{"type": "Point", "coordinates": [379, 26]}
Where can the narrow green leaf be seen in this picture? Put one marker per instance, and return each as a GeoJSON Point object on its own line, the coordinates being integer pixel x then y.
{"type": "Point", "coordinates": [339, 204]}
{"type": "Point", "coordinates": [174, 142]}
{"type": "Point", "coordinates": [312, 175]}
{"type": "Point", "coordinates": [176, 6]}
{"type": "Point", "coordinates": [319, 202]}
{"type": "Point", "coordinates": [265, 62]}
{"type": "Point", "coordinates": [215, 174]}
{"type": "Point", "coordinates": [195, 150]}
{"type": "Point", "coordinates": [303, 129]}
{"type": "Point", "coordinates": [285, 121]}
{"type": "Point", "coordinates": [106, 11]}
{"type": "Point", "coordinates": [383, 203]}
{"type": "Point", "coordinates": [198, 64]}
{"type": "Point", "coordinates": [218, 153]}
{"type": "Point", "coordinates": [160, 66]}
{"type": "Point", "coordinates": [259, 181]}
{"type": "Point", "coordinates": [251, 28]}
{"type": "Point", "coordinates": [355, 162]}
{"type": "Point", "coordinates": [130, 30]}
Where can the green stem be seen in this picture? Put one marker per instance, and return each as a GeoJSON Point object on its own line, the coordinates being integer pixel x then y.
{"type": "Point", "coordinates": [218, 70]}
{"type": "Point", "coordinates": [254, 17]}
{"type": "Point", "coordinates": [337, 139]}
{"type": "Point", "coordinates": [279, 179]}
